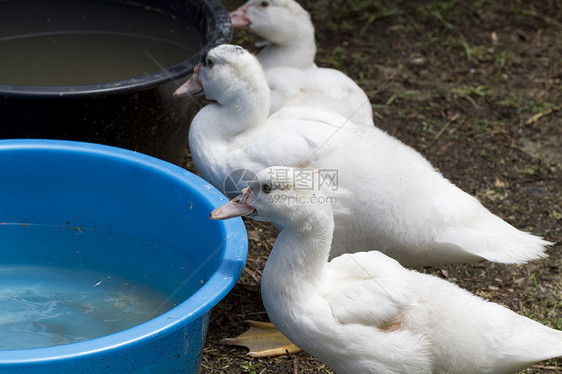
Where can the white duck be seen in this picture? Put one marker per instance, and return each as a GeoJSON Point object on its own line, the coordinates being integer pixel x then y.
{"type": "Point", "coordinates": [288, 60]}
{"type": "Point", "coordinates": [364, 312]}
{"type": "Point", "coordinates": [389, 197]}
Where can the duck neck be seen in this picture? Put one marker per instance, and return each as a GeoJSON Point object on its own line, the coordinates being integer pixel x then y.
{"type": "Point", "coordinates": [215, 129]}
{"type": "Point", "coordinates": [245, 110]}
{"type": "Point", "coordinates": [297, 52]}
{"type": "Point", "coordinates": [301, 250]}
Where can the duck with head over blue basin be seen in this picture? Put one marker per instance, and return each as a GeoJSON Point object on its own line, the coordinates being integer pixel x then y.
{"type": "Point", "coordinates": [363, 312]}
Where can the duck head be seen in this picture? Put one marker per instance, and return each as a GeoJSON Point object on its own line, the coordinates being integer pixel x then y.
{"type": "Point", "coordinates": [277, 21]}
{"type": "Point", "coordinates": [225, 74]}
{"type": "Point", "coordinates": [279, 195]}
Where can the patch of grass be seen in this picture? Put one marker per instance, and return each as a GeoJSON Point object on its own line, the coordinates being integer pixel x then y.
{"type": "Point", "coordinates": [431, 126]}
{"type": "Point", "coordinates": [403, 113]}
{"type": "Point", "coordinates": [533, 280]}
{"type": "Point", "coordinates": [442, 10]}
{"type": "Point", "coordinates": [393, 101]}
{"type": "Point", "coordinates": [432, 37]}
{"type": "Point", "coordinates": [378, 15]}
{"type": "Point", "coordinates": [251, 367]}
{"type": "Point", "coordinates": [485, 127]}
{"type": "Point", "coordinates": [446, 12]}
{"type": "Point", "coordinates": [501, 58]}
{"type": "Point", "coordinates": [555, 323]}
{"type": "Point", "coordinates": [522, 7]}
{"type": "Point", "coordinates": [473, 52]}
{"type": "Point", "coordinates": [525, 102]}
{"type": "Point", "coordinates": [539, 107]}
{"type": "Point", "coordinates": [479, 91]}
{"type": "Point", "coordinates": [433, 105]}
{"type": "Point", "coordinates": [513, 101]}
{"type": "Point", "coordinates": [363, 12]}
{"type": "Point", "coordinates": [402, 94]}
{"type": "Point", "coordinates": [338, 58]}
{"type": "Point", "coordinates": [539, 168]}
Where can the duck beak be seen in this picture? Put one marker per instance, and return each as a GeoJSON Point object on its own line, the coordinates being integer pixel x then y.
{"type": "Point", "coordinates": [238, 18]}
{"type": "Point", "coordinates": [236, 207]}
{"type": "Point", "coordinates": [193, 86]}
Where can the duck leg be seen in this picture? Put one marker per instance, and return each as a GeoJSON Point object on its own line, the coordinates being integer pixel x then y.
{"type": "Point", "coordinates": [263, 339]}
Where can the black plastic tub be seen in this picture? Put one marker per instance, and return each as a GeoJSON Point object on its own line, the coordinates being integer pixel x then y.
{"type": "Point", "coordinates": [135, 112]}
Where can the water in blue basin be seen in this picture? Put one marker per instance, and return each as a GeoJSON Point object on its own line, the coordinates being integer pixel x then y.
{"type": "Point", "coordinates": [44, 306]}
{"type": "Point", "coordinates": [64, 284]}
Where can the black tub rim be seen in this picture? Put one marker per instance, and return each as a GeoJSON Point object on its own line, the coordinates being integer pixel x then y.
{"type": "Point", "coordinates": [222, 32]}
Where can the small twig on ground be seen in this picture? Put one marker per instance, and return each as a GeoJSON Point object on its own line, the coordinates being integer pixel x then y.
{"type": "Point", "coordinates": [544, 367]}
{"type": "Point", "coordinates": [451, 120]}
{"type": "Point", "coordinates": [469, 99]}
{"type": "Point", "coordinates": [538, 116]}
{"type": "Point", "coordinates": [547, 19]}
{"type": "Point", "coordinates": [252, 274]}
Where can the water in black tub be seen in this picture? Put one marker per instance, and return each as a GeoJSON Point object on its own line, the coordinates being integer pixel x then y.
{"type": "Point", "coordinates": [69, 42]}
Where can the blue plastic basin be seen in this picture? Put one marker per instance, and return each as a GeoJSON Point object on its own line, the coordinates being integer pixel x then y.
{"type": "Point", "coordinates": [112, 191]}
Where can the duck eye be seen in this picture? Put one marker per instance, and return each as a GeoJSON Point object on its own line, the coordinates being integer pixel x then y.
{"type": "Point", "coordinates": [209, 62]}
{"type": "Point", "coordinates": [266, 188]}
{"type": "Point", "coordinates": [264, 4]}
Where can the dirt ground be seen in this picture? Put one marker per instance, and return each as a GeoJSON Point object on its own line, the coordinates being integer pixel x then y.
{"type": "Point", "coordinates": [476, 87]}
